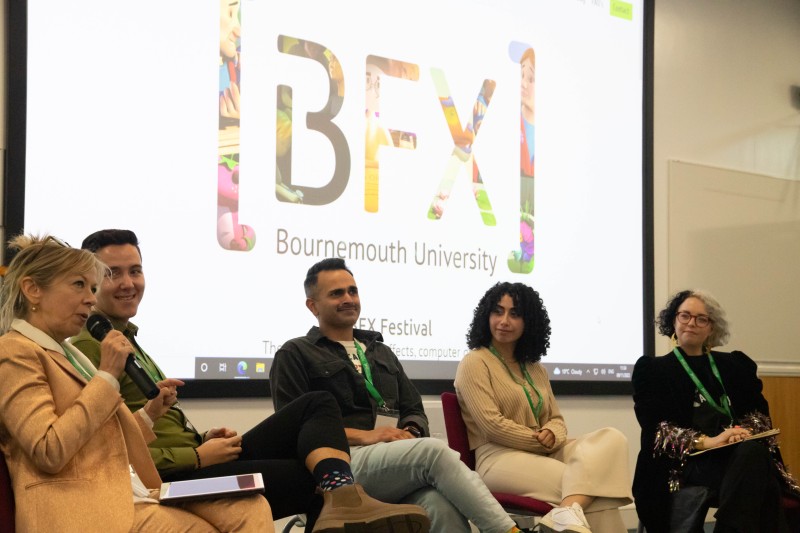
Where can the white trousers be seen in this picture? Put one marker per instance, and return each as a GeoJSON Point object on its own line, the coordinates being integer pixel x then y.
{"type": "Point", "coordinates": [595, 464]}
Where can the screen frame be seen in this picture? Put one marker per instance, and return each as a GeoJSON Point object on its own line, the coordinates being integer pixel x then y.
{"type": "Point", "coordinates": [16, 24]}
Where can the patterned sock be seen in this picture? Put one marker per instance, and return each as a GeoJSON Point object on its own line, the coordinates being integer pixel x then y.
{"type": "Point", "coordinates": [333, 473]}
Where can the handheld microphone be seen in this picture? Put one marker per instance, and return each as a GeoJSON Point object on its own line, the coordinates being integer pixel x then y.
{"type": "Point", "coordinates": [98, 327]}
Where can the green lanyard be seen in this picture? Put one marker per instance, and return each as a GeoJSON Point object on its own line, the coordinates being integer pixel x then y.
{"type": "Point", "coordinates": [537, 410]}
{"type": "Point", "coordinates": [79, 367]}
{"type": "Point", "coordinates": [368, 376]}
{"type": "Point", "coordinates": [725, 408]}
{"type": "Point", "coordinates": [145, 361]}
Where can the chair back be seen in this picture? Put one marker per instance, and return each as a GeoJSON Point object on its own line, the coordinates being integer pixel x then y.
{"type": "Point", "coordinates": [458, 440]}
{"type": "Point", "coordinates": [456, 430]}
{"type": "Point", "coordinates": [7, 523]}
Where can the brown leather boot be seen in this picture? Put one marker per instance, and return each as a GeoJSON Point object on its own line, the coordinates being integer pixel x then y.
{"type": "Point", "coordinates": [349, 509]}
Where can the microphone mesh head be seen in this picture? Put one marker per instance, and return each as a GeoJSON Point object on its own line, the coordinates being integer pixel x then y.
{"type": "Point", "coordinates": [98, 327]}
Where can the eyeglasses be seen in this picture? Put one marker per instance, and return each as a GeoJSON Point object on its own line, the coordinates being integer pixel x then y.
{"type": "Point", "coordinates": [700, 321]}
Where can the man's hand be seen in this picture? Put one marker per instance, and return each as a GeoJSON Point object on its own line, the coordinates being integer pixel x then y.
{"type": "Point", "coordinates": [167, 397]}
{"type": "Point", "coordinates": [361, 437]}
{"type": "Point", "coordinates": [219, 433]}
{"type": "Point", "coordinates": [217, 450]}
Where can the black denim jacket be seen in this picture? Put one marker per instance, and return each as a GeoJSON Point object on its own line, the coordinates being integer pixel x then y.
{"type": "Point", "coordinates": [315, 363]}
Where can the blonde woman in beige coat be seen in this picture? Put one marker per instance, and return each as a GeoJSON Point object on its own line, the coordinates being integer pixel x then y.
{"type": "Point", "coordinates": [78, 458]}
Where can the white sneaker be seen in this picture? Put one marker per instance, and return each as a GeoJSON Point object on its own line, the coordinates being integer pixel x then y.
{"type": "Point", "coordinates": [565, 519]}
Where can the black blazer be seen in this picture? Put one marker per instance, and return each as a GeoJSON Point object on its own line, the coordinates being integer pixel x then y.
{"type": "Point", "coordinates": [662, 391]}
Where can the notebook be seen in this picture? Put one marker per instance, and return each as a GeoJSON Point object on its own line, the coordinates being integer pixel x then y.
{"type": "Point", "coordinates": [762, 435]}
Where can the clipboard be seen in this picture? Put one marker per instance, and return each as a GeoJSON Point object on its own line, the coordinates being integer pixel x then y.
{"type": "Point", "coordinates": [762, 435]}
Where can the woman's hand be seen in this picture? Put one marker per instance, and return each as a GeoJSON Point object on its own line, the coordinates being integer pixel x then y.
{"type": "Point", "coordinates": [167, 397]}
{"type": "Point", "coordinates": [729, 436]}
{"type": "Point", "coordinates": [114, 351]}
{"type": "Point", "coordinates": [546, 438]}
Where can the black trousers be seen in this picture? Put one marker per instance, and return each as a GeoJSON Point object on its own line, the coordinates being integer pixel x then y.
{"type": "Point", "coordinates": [277, 448]}
{"type": "Point", "coordinates": [746, 484]}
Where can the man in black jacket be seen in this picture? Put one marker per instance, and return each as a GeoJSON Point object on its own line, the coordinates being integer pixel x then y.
{"type": "Point", "coordinates": [384, 419]}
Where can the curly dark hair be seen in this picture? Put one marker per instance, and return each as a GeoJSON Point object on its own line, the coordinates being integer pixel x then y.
{"type": "Point", "coordinates": [720, 332]}
{"type": "Point", "coordinates": [535, 339]}
{"type": "Point", "coordinates": [666, 318]}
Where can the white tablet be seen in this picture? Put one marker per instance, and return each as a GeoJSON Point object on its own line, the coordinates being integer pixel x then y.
{"type": "Point", "coordinates": [212, 487]}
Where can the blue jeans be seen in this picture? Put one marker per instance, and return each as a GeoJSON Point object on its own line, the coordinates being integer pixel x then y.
{"type": "Point", "coordinates": [426, 472]}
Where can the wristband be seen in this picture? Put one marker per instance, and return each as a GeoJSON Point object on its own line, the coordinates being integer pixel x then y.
{"type": "Point", "coordinates": [197, 454]}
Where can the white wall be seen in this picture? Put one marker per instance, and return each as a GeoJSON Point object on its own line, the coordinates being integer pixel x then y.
{"type": "Point", "coordinates": [723, 71]}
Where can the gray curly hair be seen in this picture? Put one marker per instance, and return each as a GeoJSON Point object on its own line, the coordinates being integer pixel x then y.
{"type": "Point", "coordinates": [720, 332]}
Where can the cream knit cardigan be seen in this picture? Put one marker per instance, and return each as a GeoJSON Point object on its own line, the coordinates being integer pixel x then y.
{"type": "Point", "coordinates": [495, 408]}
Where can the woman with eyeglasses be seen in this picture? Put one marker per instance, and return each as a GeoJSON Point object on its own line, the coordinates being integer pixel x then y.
{"type": "Point", "coordinates": [516, 428]}
{"type": "Point", "coordinates": [695, 399]}
{"type": "Point", "coordinates": [77, 456]}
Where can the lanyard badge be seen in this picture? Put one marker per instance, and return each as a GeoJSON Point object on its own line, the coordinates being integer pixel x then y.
{"type": "Point", "coordinates": [385, 417]}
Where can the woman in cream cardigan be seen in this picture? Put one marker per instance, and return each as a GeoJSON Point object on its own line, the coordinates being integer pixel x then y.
{"type": "Point", "coordinates": [77, 456]}
{"type": "Point", "coordinates": [515, 426]}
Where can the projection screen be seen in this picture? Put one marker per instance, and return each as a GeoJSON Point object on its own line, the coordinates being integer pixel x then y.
{"type": "Point", "coordinates": [437, 147]}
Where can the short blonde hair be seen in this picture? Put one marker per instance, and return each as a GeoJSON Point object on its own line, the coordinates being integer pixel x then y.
{"type": "Point", "coordinates": [44, 259]}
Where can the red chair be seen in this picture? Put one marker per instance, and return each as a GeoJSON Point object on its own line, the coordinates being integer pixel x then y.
{"type": "Point", "coordinates": [6, 498]}
{"type": "Point", "coordinates": [457, 440]}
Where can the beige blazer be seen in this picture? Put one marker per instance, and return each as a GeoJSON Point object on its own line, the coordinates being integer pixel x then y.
{"type": "Point", "coordinates": [68, 443]}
